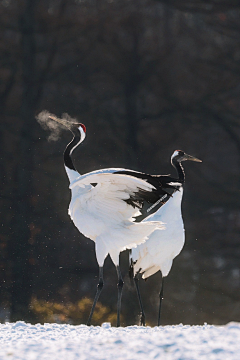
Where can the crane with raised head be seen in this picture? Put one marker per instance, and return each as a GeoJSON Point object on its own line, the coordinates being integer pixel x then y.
{"type": "Point", "coordinates": [158, 252]}
{"type": "Point", "coordinates": [104, 206]}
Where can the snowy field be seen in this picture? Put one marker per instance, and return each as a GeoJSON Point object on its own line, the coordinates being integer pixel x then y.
{"type": "Point", "coordinates": [56, 342]}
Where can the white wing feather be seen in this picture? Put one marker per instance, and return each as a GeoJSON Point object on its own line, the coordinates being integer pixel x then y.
{"type": "Point", "coordinates": [100, 212]}
{"type": "Point", "coordinates": [119, 180]}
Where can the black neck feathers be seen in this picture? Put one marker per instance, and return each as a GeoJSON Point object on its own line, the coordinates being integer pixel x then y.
{"type": "Point", "coordinates": [69, 149]}
{"type": "Point", "coordinates": [178, 166]}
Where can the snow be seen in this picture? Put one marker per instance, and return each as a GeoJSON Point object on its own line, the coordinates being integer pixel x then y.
{"type": "Point", "coordinates": [22, 341]}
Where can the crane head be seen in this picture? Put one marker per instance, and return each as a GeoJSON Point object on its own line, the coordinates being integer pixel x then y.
{"type": "Point", "coordinates": [179, 156]}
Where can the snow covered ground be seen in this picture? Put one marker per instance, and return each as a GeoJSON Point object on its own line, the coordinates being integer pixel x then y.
{"type": "Point", "coordinates": [22, 341]}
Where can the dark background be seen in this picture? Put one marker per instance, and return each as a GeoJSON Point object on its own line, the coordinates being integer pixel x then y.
{"type": "Point", "coordinates": [146, 78]}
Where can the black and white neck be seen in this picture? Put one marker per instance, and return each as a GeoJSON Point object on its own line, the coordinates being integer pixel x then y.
{"type": "Point", "coordinates": [176, 163]}
{"type": "Point", "coordinates": [176, 159]}
{"type": "Point", "coordinates": [79, 133]}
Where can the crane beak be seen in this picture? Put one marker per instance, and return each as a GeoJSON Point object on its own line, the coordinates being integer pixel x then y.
{"type": "Point", "coordinates": [192, 158]}
{"type": "Point", "coordinates": [60, 121]}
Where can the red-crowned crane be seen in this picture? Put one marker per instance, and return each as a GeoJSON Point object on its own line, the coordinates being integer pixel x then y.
{"type": "Point", "coordinates": [104, 206]}
{"type": "Point", "coordinates": [158, 252]}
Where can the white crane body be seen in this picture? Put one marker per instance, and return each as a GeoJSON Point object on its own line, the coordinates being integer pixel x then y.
{"type": "Point", "coordinates": [104, 205]}
{"type": "Point", "coordinates": [158, 252]}
{"type": "Point", "coordinates": [101, 214]}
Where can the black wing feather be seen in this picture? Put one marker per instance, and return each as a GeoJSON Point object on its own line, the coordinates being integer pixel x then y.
{"type": "Point", "coordinates": [149, 202]}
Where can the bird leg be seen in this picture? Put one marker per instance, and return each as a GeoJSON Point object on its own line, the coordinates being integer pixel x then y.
{"type": "Point", "coordinates": [120, 287]}
{"type": "Point", "coordinates": [99, 289]}
{"type": "Point", "coordinates": [160, 303]}
{"type": "Point", "coordinates": [142, 316]}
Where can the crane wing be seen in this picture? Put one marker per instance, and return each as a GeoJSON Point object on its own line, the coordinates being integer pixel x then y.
{"type": "Point", "coordinates": [100, 207]}
{"type": "Point", "coordinates": [111, 188]}
{"type": "Point", "coordinates": [134, 190]}
{"type": "Point", "coordinates": [164, 187]}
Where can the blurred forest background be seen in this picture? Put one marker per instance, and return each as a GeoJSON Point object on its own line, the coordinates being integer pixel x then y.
{"type": "Point", "coordinates": [146, 77]}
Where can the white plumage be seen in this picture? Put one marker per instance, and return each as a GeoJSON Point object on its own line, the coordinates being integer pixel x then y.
{"type": "Point", "coordinates": [158, 252]}
{"type": "Point", "coordinates": [101, 214]}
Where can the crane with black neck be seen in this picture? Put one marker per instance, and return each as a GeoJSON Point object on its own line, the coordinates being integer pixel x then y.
{"type": "Point", "coordinates": [158, 252]}
{"type": "Point", "coordinates": [104, 205]}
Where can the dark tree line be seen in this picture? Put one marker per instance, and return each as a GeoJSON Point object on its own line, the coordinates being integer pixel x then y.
{"type": "Point", "coordinates": [146, 78]}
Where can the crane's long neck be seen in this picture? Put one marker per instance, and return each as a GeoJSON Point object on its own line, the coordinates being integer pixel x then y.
{"type": "Point", "coordinates": [70, 168]}
{"type": "Point", "coordinates": [178, 166]}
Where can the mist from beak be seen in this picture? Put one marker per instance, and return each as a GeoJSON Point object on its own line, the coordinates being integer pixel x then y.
{"type": "Point", "coordinates": [53, 124]}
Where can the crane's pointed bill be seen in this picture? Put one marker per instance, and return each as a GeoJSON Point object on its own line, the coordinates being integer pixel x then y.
{"type": "Point", "coordinates": [61, 121]}
{"type": "Point", "coordinates": [69, 124]}
{"type": "Point", "coordinates": [192, 158]}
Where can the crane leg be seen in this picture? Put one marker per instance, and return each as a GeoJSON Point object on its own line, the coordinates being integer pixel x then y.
{"type": "Point", "coordinates": [142, 316]}
{"type": "Point", "coordinates": [99, 289]}
{"type": "Point", "coordinates": [160, 303]}
{"type": "Point", "coordinates": [120, 288]}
